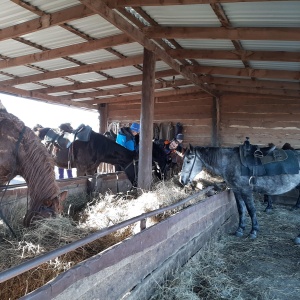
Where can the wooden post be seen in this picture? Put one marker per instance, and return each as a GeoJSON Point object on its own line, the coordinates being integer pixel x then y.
{"type": "Point", "coordinates": [215, 122]}
{"type": "Point", "coordinates": [146, 120]}
{"type": "Point", "coordinates": [102, 109]}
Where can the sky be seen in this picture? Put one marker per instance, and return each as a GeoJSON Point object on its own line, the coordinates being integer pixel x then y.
{"type": "Point", "coordinates": [33, 112]}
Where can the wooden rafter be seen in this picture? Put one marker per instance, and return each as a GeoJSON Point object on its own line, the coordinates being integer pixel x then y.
{"type": "Point", "coordinates": [134, 3]}
{"type": "Point", "coordinates": [236, 55]}
{"type": "Point", "coordinates": [102, 9]}
{"type": "Point", "coordinates": [254, 33]}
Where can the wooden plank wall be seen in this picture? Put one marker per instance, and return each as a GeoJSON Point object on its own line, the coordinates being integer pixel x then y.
{"type": "Point", "coordinates": [193, 111]}
{"type": "Point", "coordinates": [264, 119]}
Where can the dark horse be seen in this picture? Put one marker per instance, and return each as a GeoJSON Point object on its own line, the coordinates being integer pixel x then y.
{"type": "Point", "coordinates": [226, 163]}
{"type": "Point", "coordinates": [87, 155]}
{"type": "Point", "coordinates": [21, 153]}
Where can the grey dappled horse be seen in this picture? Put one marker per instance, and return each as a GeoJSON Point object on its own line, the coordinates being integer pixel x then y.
{"type": "Point", "coordinates": [226, 163]}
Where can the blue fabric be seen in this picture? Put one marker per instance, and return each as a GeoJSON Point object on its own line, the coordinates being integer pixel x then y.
{"type": "Point", "coordinates": [126, 139]}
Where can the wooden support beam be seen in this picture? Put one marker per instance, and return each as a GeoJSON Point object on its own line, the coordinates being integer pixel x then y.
{"type": "Point", "coordinates": [118, 63]}
{"type": "Point", "coordinates": [146, 121]}
{"type": "Point", "coordinates": [114, 18]}
{"type": "Point", "coordinates": [176, 92]}
{"type": "Point", "coordinates": [254, 33]}
{"type": "Point", "coordinates": [45, 98]}
{"type": "Point", "coordinates": [102, 109]}
{"type": "Point", "coordinates": [130, 89]}
{"type": "Point", "coordinates": [45, 21]}
{"type": "Point", "coordinates": [255, 73]}
{"type": "Point", "coordinates": [66, 51]}
{"type": "Point", "coordinates": [265, 84]}
{"type": "Point", "coordinates": [135, 3]}
{"type": "Point", "coordinates": [236, 55]}
{"type": "Point", "coordinates": [102, 83]}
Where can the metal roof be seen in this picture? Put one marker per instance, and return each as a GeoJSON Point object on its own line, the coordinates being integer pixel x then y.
{"type": "Point", "coordinates": [69, 48]}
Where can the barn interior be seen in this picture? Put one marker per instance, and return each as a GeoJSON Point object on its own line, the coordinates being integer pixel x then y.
{"type": "Point", "coordinates": [225, 69]}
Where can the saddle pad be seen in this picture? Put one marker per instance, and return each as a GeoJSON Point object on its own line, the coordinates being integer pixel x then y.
{"type": "Point", "coordinates": [51, 136]}
{"type": "Point", "coordinates": [255, 167]}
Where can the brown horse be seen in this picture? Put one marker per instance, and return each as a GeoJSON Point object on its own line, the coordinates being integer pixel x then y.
{"type": "Point", "coordinates": [22, 153]}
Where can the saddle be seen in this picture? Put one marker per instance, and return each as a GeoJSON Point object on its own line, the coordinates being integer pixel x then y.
{"type": "Point", "coordinates": [267, 161]}
{"type": "Point", "coordinates": [82, 133]}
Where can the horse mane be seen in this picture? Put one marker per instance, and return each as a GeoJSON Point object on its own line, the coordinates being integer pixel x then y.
{"type": "Point", "coordinates": [34, 164]}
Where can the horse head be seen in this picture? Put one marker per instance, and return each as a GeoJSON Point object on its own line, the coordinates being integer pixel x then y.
{"type": "Point", "coordinates": [49, 208]}
{"type": "Point", "coordinates": [192, 165]}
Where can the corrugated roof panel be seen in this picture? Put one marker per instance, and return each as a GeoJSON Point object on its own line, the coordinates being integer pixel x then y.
{"type": "Point", "coordinates": [161, 66]}
{"type": "Point", "coordinates": [56, 82]}
{"type": "Point", "coordinates": [263, 14]}
{"type": "Point", "coordinates": [123, 71]}
{"type": "Point", "coordinates": [53, 5]}
{"type": "Point", "coordinates": [87, 77]}
{"type": "Point", "coordinates": [94, 56]}
{"type": "Point", "coordinates": [53, 37]}
{"type": "Point", "coordinates": [12, 14]}
{"type": "Point", "coordinates": [183, 15]}
{"type": "Point", "coordinates": [221, 63]}
{"type": "Point", "coordinates": [206, 44]}
{"type": "Point", "coordinates": [12, 48]}
{"type": "Point", "coordinates": [85, 91]}
{"type": "Point", "coordinates": [164, 89]}
{"type": "Point", "coordinates": [4, 77]}
{"type": "Point", "coordinates": [170, 78]}
{"type": "Point", "coordinates": [136, 83]}
{"type": "Point", "coordinates": [116, 86]}
{"type": "Point", "coordinates": [289, 46]}
{"type": "Point", "coordinates": [55, 64]}
{"type": "Point", "coordinates": [29, 86]}
{"type": "Point", "coordinates": [21, 71]}
{"type": "Point", "coordinates": [82, 99]}
{"type": "Point", "coordinates": [95, 26]}
{"type": "Point", "coordinates": [270, 65]}
{"type": "Point", "coordinates": [131, 49]}
{"type": "Point", "coordinates": [60, 94]}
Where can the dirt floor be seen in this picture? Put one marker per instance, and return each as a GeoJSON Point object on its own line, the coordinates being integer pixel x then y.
{"type": "Point", "coordinates": [267, 268]}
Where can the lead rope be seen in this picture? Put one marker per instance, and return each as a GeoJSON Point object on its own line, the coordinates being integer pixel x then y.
{"type": "Point", "coordinates": [1, 213]}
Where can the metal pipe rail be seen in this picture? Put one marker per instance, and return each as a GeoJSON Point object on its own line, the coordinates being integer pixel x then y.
{"type": "Point", "coordinates": [35, 262]}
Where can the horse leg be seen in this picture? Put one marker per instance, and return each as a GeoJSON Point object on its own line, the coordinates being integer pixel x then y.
{"type": "Point", "coordinates": [249, 202]}
{"type": "Point", "coordinates": [269, 200]}
{"type": "Point", "coordinates": [241, 210]}
{"type": "Point", "coordinates": [297, 205]}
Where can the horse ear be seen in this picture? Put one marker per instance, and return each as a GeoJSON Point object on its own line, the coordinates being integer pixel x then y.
{"type": "Point", "coordinates": [191, 147]}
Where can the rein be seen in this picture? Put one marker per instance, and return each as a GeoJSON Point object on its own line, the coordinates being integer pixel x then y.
{"type": "Point", "coordinates": [14, 168]}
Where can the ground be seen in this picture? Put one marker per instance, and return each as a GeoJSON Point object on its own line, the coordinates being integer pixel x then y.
{"type": "Point", "coordinates": [267, 268]}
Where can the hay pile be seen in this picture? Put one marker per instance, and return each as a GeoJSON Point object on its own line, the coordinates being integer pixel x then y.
{"type": "Point", "coordinates": [49, 234]}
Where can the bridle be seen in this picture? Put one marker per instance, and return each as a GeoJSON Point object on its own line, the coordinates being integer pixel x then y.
{"type": "Point", "coordinates": [196, 156]}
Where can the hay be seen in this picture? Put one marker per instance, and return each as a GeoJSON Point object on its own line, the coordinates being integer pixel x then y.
{"type": "Point", "coordinates": [87, 217]}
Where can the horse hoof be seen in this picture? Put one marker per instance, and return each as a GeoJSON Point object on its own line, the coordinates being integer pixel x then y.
{"type": "Point", "coordinates": [253, 235]}
{"type": "Point", "coordinates": [268, 210]}
{"type": "Point", "coordinates": [239, 233]}
{"type": "Point", "coordinates": [297, 240]}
